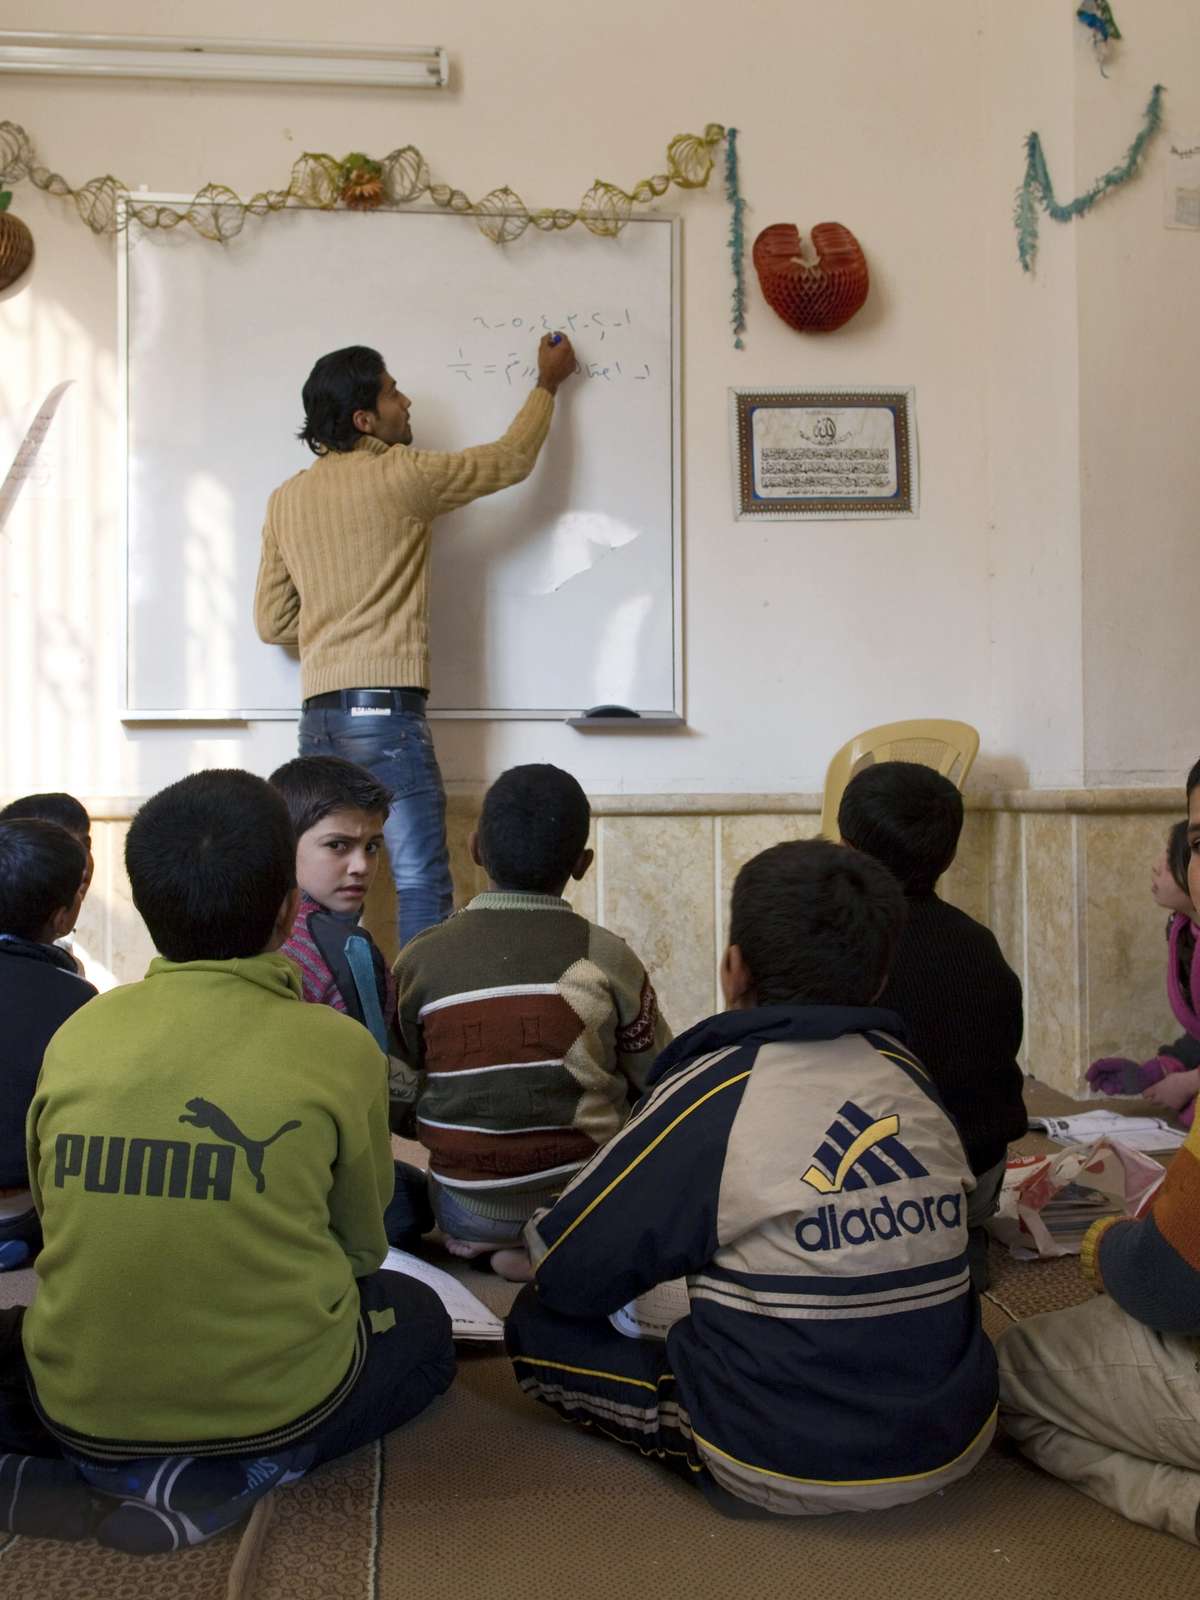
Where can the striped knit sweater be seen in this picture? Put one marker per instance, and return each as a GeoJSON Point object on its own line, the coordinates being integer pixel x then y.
{"type": "Point", "coordinates": [533, 1031]}
{"type": "Point", "coordinates": [1151, 1266]}
{"type": "Point", "coordinates": [344, 571]}
{"type": "Point", "coordinates": [318, 984]}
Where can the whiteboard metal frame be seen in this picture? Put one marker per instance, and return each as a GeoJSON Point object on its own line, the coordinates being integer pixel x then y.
{"type": "Point", "coordinates": [129, 714]}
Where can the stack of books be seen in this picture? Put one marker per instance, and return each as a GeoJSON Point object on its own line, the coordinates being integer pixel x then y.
{"type": "Point", "coordinates": [1071, 1212]}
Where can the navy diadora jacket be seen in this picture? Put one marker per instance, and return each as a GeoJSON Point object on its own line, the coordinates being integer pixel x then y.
{"type": "Point", "coordinates": [796, 1166]}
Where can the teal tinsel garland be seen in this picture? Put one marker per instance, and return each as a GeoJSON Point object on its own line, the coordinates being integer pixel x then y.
{"type": "Point", "coordinates": [1097, 15]}
{"type": "Point", "coordinates": [1038, 188]}
{"type": "Point", "coordinates": [737, 238]}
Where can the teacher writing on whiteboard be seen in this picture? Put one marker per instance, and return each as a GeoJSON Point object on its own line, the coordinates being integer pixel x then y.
{"type": "Point", "coordinates": [344, 575]}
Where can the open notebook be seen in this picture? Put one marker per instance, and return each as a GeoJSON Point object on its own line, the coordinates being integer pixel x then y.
{"type": "Point", "coordinates": [647, 1317]}
{"type": "Point", "coordinates": [470, 1318]}
{"type": "Point", "coordinates": [1139, 1133]}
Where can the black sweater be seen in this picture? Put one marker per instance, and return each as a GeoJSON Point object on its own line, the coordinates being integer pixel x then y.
{"type": "Point", "coordinates": [39, 990]}
{"type": "Point", "coordinates": [961, 1005]}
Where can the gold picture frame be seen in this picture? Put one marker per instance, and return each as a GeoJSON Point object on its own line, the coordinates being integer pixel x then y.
{"type": "Point", "coordinates": [828, 454]}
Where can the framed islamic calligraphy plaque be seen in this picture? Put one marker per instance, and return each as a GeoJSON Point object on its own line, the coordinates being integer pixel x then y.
{"type": "Point", "coordinates": [832, 454]}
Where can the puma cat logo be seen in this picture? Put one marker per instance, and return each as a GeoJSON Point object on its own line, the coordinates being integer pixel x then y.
{"type": "Point", "coordinates": [206, 1115]}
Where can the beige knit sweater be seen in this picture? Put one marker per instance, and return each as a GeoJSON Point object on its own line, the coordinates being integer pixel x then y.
{"type": "Point", "coordinates": [344, 571]}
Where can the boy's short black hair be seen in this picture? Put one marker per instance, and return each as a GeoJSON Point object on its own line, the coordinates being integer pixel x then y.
{"type": "Point", "coordinates": [41, 869]}
{"type": "Point", "coordinates": [341, 383]}
{"type": "Point", "coordinates": [313, 786]}
{"type": "Point", "coordinates": [1193, 778]}
{"type": "Point", "coordinates": [211, 860]}
{"type": "Point", "coordinates": [61, 808]}
{"type": "Point", "coordinates": [907, 816]}
{"type": "Point", "coordinates": [1179, 855]}
{"type": "Point", "coordinates": [533, 828]}
{"type": "Point", "coordinates": [816, 923]}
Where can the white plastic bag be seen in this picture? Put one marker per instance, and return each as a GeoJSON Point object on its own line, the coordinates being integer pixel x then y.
{"type": "Point", "coordinates": [1047, 1203]}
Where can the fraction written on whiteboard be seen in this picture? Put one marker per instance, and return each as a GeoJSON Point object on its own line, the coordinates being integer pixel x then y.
{"type": "Point", "coordinates": [475, 361]}
{"type": "Point", "coordinates": [515, 366]}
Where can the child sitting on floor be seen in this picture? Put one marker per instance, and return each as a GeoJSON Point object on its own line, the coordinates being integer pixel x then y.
{"type": "Point", "coordinates": [959, 1000]}
{"type": "Point", "coordinates": [531, 1028]}
{"type": "Point", "coordinates": [1169, 1079]}
{"type": "Point", "coordinates": [210, 1160]}
{"type": "Point", "coordinates": [63, 809]}
{"type": "Point", "coordinates": [338, 810]}
{"type": "Point", "coordinates": [70, 814]}
{"type": "Point", "coordinates": [1105, 1394]}
{"type": "Point", "coordinates": [42, 883]}
{"type": "Point", "coordinates": [792, 1160]}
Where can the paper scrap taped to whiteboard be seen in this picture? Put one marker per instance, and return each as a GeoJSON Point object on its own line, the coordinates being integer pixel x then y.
{"type": "Point", "coordinates": [1182, 208]}
{"type": "Point", "coordinates": [579, 541]}
{"type": "Point", "coordinates": [27, 451]}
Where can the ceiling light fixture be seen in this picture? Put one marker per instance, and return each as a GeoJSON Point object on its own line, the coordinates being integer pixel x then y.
{"type": "Point", "coordinates": [112, 55]}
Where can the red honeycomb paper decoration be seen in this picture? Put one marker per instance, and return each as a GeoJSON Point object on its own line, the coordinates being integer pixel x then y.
{"type": "Point", "coordinates": [812, 295]}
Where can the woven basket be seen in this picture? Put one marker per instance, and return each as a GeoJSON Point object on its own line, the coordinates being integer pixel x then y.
{"type": "Point", "coordinates": [816, 295]}
{"type": "Point", "coordinates": [16, 248]}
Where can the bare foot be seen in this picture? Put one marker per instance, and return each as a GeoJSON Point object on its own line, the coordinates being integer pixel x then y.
{"type": "Point", "coordinates": [465, 1250]}
{"type": "Point", "coordinates": [514, 1265]}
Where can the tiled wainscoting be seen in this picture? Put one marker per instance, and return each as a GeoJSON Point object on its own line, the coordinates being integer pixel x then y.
{"type": "Point", "coordinates": [1061, 876]}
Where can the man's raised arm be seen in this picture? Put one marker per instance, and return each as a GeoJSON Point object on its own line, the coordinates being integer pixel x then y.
{"type": "Point", "coordinates": [454, 478]}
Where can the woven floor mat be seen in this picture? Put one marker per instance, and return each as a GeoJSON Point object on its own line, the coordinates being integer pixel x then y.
{"type": "Point", "coordinates": [487, 1494]}
{"type": "Point", "coordinates": [1027, 1288]}
{"type": "Point", "coordinates": [490, 1495]}
{"type": "Point", "coordinates": [45, 1569]}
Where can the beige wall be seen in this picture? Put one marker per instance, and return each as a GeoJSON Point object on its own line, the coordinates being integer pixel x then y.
{"type": "Point", "coordinates": [1062, 877]}
{"type": "Point", "coordinates": [795, 634]}
{"type": "Point", "coordinates": [1140, 476]}
{"type": "Point", "coordinates": [1043, 594]}
{"type": "Point", "coordinates": [1030, 398]}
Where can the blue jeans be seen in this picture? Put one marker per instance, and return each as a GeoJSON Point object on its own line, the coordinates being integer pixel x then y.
{"type": "Point", "coordinates": [408, 1214]}
{"type": "Point", "coordinates": [397, 748]}
{"type": "Point", "coordinates": [20, 1240]}
{"type": "Point", "coordinates": [409, 1362]}
{"type": "Point", "coordinates": [457, 1220]}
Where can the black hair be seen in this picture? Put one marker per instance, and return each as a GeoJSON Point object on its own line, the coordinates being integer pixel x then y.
{"type": "Point", "coordinates": [341, 383]}
{"type": "Point", "coordinates": [313, 786]}
{"type": "Point", "coordinates": [907, 816]}
{"type": "Point", "coordinates": [533, 828]}
{"type": "Point", "coordinates": [61, 808]}
{"type": "Point", "coordinates": [1179, 854]}
{"type": "Point", "coordinates": [816, 923]}
{"type": "Point", "coordinates": [1193, 779]}
{"type": "Point", "coordinates": [41, 869]}
{"type": "Point", "coordinates": [211, 860]}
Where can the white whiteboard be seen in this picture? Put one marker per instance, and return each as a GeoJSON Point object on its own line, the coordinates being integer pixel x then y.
{"type": "Point", "coordinates": [547, 598]}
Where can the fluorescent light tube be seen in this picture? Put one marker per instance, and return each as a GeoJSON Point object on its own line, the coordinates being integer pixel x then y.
{"type": "Point", "coordinates": [110, 55]}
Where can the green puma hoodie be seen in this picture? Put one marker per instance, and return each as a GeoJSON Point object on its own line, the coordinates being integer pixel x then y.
{"type": "Point", "coordinates": [210, 1158]}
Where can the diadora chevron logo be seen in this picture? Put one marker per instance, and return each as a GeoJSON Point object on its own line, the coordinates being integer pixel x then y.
{"type": "Point", "coordinates": [858, 1150]}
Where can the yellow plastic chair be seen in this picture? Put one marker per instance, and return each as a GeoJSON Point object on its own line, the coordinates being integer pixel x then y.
{"type": "Point", "coordinates": [950, 747]}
